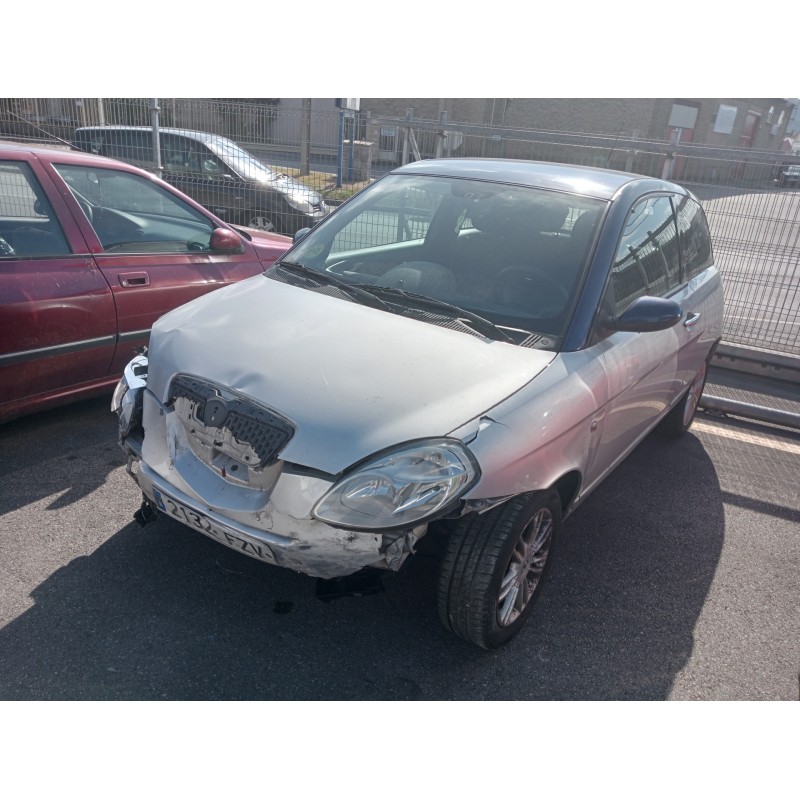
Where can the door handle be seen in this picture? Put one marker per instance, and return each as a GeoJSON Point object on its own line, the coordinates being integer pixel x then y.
{"type": "Point", "coordinates": [130, 279]}
{"type": "Point", "coordinates": [692, 318]}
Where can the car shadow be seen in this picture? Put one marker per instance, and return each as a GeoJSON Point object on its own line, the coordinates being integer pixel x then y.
{"type": "Point", "coordinates": [160, 612]}
{"type": "Point", "coordinates": [72, 448]}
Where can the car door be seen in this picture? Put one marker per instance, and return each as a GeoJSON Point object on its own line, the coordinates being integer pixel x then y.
{"type": "Point", "coordinates": [58, 322]}
{"type": "Point", "coordinates": [151, 244]}
{"type": "Point", "coordinates": [700, 294]}
{"type": "Point", "coordinates": [643, 370]}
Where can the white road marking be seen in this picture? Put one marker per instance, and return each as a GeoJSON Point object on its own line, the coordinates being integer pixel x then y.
{"type": "Point", "coordinates": [748, 438]}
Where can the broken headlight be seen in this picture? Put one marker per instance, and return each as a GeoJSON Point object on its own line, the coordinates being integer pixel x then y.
{"type": "Point", "coordinates": [127, 399]}
{"type": "Point", "coordinates": [401, 488]}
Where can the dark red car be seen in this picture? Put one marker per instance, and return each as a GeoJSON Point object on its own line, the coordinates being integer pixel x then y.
{"type": "Point", "coordinates": [92, 252]}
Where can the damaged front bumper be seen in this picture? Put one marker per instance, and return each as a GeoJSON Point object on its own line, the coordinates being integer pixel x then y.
{"type": "Point", "coordinates": [311, 547]}
{"type": "Point", "coordinates": [271, 522]}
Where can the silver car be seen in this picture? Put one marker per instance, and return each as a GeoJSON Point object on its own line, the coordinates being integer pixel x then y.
{"type": "Point", "coordinates": [463, 351]}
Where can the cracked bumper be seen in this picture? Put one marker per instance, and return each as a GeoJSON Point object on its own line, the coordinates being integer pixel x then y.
{"type": "Point", "coordinates": [310, 547]}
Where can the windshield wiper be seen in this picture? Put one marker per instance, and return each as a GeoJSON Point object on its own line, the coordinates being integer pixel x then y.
{"type": "Point", "coordinates": [353, 291]}
{"type": "Point", "coordinates": [373, 296]}
{"type": "Point", "coordinates": [424, 303]}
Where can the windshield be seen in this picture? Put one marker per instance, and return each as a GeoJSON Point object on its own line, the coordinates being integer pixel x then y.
{"type": "Point", "coordinates": [514, 255]}
{"type": "Point", "coordinates": [247, 165]}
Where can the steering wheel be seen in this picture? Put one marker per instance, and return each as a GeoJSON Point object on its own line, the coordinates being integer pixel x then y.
{"type": "Point", "coordinates": [531, 290]}
{"type": "Point", "coordinates": [5, 248]}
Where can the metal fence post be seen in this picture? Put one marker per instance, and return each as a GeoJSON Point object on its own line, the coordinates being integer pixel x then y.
{"type": "Point", "coordinates": [351, 151]}
{"type": "Point", "coordinates": [441, 134]}
{"type": "Point", "coordinates": [156, 144]}
{"type": "Point", "coordinates": [340, 151]}
{"type": "Point", "coordinates": [407, 135]}
{"type": "Point", "coordinates": [305, 139]}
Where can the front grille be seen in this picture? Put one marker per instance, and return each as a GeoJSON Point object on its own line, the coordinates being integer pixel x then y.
{"type": "Point", "coordinates": [263, 430]}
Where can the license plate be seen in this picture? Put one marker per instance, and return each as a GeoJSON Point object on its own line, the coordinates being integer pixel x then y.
{"type": "Point", "coordinates": [200, 522]}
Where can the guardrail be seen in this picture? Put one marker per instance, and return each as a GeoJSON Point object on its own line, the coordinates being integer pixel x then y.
{"type": "Point", "coordinates": [759, 364]}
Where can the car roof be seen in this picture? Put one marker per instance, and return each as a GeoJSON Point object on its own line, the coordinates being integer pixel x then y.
{"type": "Point", "coordinates": [200, 136]}
{"type": "Point", "coordinates": [49, 152]}
{"type": "Point", "coordinates": [603, 184]}
{"type": "Point", "coordinates": [20, 147]}
{"type": "Point", "coordinates": [64, 153]}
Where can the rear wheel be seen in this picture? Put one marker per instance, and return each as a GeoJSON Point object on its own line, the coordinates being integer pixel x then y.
{"type": "Point", "coordinates": [493, 567]}
{"type": "Point", "coordinates": [679, 420]}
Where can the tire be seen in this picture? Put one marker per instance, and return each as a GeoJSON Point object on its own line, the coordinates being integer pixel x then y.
{"type": "Point", "coordinates": [680, 419]}
{"type": "Point", "coordinates": [258, 220]}
{"type": "Point", "coordinates": [493, 568]}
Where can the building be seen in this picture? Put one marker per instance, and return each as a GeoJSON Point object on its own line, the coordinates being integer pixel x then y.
{"type": "Point", "coordinates": [757, 123]}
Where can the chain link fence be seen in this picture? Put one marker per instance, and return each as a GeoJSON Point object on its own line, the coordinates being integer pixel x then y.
{"type": "Point", "coordinates": [751, 196]}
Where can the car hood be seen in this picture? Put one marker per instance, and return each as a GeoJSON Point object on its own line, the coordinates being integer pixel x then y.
{"type": "Point", "coordinates": [354, 380]}
{"type": "Point", "coordinates": [285, 184]}
{"type": "Point", "coordinates": [268, 246]}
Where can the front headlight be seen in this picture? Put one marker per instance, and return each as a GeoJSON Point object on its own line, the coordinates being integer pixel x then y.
{"type": "Point", "coordinates": [401, 488]}
{"type": "Point", "coordinates": [303, 202]}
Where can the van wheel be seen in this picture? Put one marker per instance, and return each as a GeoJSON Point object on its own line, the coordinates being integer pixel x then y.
{"type": "Point", "coordinates": [493, 567]}
{"type": "Point", "coordinates": [679, 420]}
{"type": "Point", "coordinates": [259, 221]}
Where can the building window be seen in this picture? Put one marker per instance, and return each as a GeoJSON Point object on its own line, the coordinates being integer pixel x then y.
{"type": "Point", "coordinates": [682, 116]}
{"type": "Point", "coordinates": [726, 117]}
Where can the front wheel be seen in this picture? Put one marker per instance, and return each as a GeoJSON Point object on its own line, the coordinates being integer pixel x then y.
{"type": "Point", "coordinates": [493, 567]}
{"type": "Point", "coordinates": [679, 420]}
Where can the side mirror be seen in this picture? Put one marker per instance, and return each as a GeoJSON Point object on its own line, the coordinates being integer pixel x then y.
{"type": "Point", "coordinates": [300, 234]}
{"type": "Point", "coordinates": [647, 314]}
{"type": "Point", "coordinates": [226, 241]}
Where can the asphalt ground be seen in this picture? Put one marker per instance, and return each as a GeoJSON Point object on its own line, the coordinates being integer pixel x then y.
{"type": "Point", "coordinates": [678, 579]}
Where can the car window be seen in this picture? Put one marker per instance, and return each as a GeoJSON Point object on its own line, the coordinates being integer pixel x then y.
{"type": "Point", "coordinates": [695, 237]}
{"type": "Point", "coordinates": [132, 214]}
{"type": "Point", "coordinates": [135, 147]}
{"type": "Point", "coordinates": [179, 154]}
{"type": "Point", "coordinates": [28, 225]}
{"type": "Point", "coordinates": [648, 258]}
{"type": "Point", "coordinates": [402, 215]}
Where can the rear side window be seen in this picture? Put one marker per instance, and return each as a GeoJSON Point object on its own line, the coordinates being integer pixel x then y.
{"type": "Point", "coordinates": [695, 238]}
{"type": "Point", "coordinates": [648, 257]}
{"type": "Point", "coordinates": [135, 147]}
{"type": "Point", "coordinates": [28, 226]}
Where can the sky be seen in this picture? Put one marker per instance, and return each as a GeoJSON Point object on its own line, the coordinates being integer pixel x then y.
{"type": "Point", "coordinates": [414, 49]}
